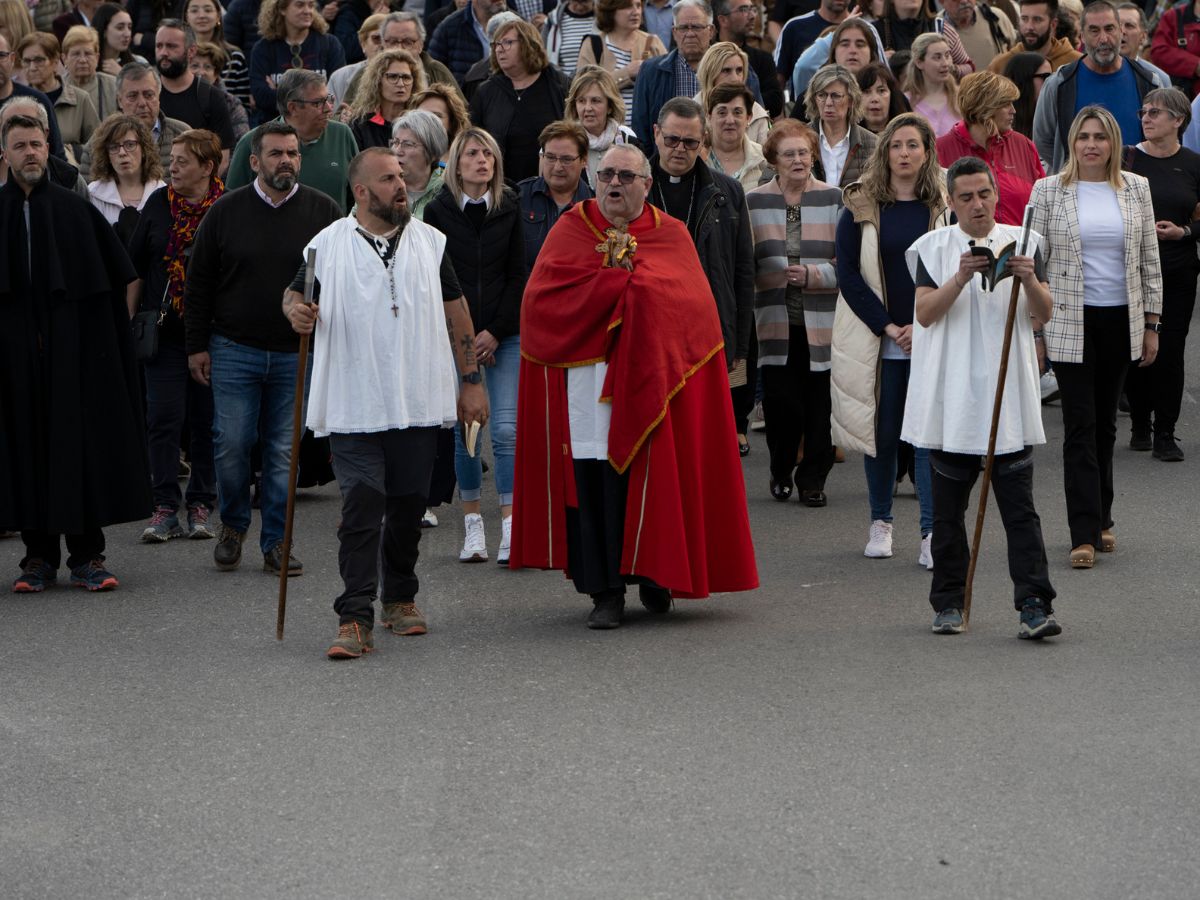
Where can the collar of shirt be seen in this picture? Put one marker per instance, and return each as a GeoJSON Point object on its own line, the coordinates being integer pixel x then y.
{"type": "Point", "coordinates": [271, 203]}
{"type": "Point", "coordinates": [686, 82]}
{"type": "Point", "coordinates": [480, 32]}
{"type": "Point", "coordinates": [486, 199]}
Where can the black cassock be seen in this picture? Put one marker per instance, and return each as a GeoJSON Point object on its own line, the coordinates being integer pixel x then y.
{"type": "Point", "coordinates": [72, 436]}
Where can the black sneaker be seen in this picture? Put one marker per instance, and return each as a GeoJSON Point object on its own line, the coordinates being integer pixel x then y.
{"type": "Point", "coordinates": [1139, 438]}
{"type": "Point", "coordinates": [656, 600]}
{"type": "Point", "coordinates": [273, 562]}
{"type": "Point", "coordinates": [1036, 623]}
{"type": "Point", "coordinates": [93, 576]}
{"type": "Point", "coordinates": [228, 552]}
{"type": "Point", "coordinates": [948, 621]}
{"type": "Point", "coordinates": [606, 613]}
{"type": "Point", "coordinates": [1166, 449]}
{"type": "Point", "coordinates": [36, 575]}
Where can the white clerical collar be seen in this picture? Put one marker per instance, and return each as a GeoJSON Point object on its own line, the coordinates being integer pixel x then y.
{"type": "Point", "coordinates": [486, 200]}
{"type": "Point", "coordinates": [271, 203]}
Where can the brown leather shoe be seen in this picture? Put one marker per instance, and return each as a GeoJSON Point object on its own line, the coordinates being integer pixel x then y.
{"type": "Point", "coordinates": [1108, 541]}
{"type": "Point", "coordinates": [1083, 557]}
{"type": "Point", "coordinates": [353, 640]}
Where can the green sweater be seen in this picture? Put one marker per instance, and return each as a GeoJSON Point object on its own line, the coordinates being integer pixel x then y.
{"type": "Point", "coordinates": [324, 163]}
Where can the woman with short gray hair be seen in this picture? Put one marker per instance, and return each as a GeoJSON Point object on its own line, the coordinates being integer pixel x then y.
{"type": "Point", "coordinates": [833, 104]}
{"type": "Point", "coordinates": [419, 140]}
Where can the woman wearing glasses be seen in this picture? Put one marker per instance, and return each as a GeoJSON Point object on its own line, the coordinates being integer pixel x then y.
{"type": "Point", "coordinates": [127, 170]}
{"type": "Point", "coordinates": [596, 104]}
{"type": "Point", "coordinates": [833, 103]}
{"type": "Point", "coordinates": [38, 56]}
{"type": "Point", "coordinates": [387, 85]}
{"type": "Point", "coordinates": [1156, 391]}
{"type": "Point", "coordinates": [523, 95]}
{"type": "Point", "coordinates": [81, 56]}
{"type": "Point", "coordinates": [419, 141]}
{"type": "Point", "coordinates": [293, 36]}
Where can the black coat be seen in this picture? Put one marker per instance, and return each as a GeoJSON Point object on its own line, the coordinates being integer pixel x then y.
{"type": "Point", "coordinates": [72, 441]}
{"type": "Point", "coordinates": [490, 264]}
{"type": "Point", "coordinates": [496, 108]}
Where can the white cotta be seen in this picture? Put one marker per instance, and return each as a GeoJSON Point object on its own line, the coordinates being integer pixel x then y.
{"type": "Point", "coordinates": [374, 370]}
{"type": "Point", "coordinates": [956, 360]}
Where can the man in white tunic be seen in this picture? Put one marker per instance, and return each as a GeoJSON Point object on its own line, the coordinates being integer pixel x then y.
{"type": "Point", "coordinates": [383, 383]}
{"type": "Point", "coordinates": [958, 337]}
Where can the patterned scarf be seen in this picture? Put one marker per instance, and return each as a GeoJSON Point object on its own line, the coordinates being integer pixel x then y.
{"type": "Point", "coordinates": [185, 219]}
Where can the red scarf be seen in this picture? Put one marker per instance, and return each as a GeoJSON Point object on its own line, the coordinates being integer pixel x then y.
{"type": "Point", "coordinates": [185, 219]}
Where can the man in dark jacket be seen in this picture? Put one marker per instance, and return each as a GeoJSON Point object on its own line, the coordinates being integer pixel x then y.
{"type": "Point", "coordinates": [460, 40]}
{"type": "Point", "coordinates": [545, 197]}
{"type": "Point", "coordinates": [713, 207]}
{"type": "Point", "coordinates": [72, 445]}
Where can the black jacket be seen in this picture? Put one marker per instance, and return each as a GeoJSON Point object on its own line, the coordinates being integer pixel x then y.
{"type": "Point", "coordinates": [725, 245]}
{"type": "Point", "coordinates": [490, 264]}
{"type": "Point", "coordinates": [495, 106]}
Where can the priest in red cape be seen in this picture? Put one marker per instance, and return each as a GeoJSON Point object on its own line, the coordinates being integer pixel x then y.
{"type": "Point", "coordinates": [625, 471]}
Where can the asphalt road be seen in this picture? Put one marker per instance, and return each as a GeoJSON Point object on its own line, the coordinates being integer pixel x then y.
{"type": "Point", "coordinates": [810, 739]}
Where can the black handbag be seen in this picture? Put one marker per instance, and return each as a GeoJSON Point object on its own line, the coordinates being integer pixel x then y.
{"type": "Point", "coordinates": [145, 324]}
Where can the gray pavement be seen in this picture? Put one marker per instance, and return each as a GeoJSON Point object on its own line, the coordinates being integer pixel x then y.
{"type": "Point", "coordinates": [810, 739]}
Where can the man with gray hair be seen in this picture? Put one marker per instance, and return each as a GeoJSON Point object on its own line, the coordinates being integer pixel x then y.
{"type": "Point", "coordinates": [326, 146]}
{"type": "Point", "coordinates": [60, 171]}
{"type": "Point", "coordinates": [138, 91]}
{"type": "Point", "coordinates": [406, 31]}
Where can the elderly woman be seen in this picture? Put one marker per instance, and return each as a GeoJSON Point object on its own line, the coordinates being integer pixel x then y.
{"type": "Point", "coordinates": [81, 55]}
{"type": "Point", "coordinates": [731, 152]}
{"type": "Point", "coordinates": [523, 95]}
{"type": "Point", "coordinates": [1103, 266]}
{"type": "Point", "coordinates": [481, 219]}
{"type": "Point", "coordinates": [834, 105]}
{"type": "Point", "coordinates": [160, 248]}
{"type": "Point", "coordinates": [882, 98]}
{"type": "Point", "coordinates": [595, 103]}
{"type": "Point", "coordinates": [901, 196]}
{"type": "Point", "coordinates": [293, 36]}
{"type": "Point", "coordinates": [620, 47]}
{"type": "Point", "coordinates": [385, 90]}
{"type": "Point", "coordinates": [929, 82]}
{"type": "Point", "coordinates": [419, 140]}
{"type": "Point", "coordinates": [726, 63]}
{"type": "Point", "coordinates": [126, 169]}
{"type": "Point", "coordinates": [793, 218]}
{"type": "Point", "coordinates": [1156, 391]}
{"type": "Point", "coordinates": [445, 102]}
{"type": "Point", "coordinates": [77, 119]}
{"type": "Point", "coordinates": [986, 131]}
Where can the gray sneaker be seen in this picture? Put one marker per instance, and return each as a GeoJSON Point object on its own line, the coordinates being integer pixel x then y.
{"type": "Point", "coordinates": [948, 621]}
{"type": "Point", "coordinates": [163, 527]}
{"type": "Point", "coordinates": [199, 528]}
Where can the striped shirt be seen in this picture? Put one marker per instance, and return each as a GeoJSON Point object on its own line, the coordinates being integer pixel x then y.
{"type": "Point", "coordinates": [623, 58]}
{"type": "Point", "coordinates": [573, 30]}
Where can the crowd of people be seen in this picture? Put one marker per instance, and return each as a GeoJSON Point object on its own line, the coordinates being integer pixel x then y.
{"type": "Point", "coordinates": [596, 224]}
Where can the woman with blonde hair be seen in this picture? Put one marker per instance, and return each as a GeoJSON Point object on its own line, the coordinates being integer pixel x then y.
{"type": "Point", "coordinates": [929, 82]}
{"type": "Point", "coordinates": [293, 36]}
{"type": "Point", "coordinates": [481, 219]}
{"type": "Point", "coordinates": [902, 22]}
{"type": "Point", "coordinates": [81, 57]}
{"type": "Point", "coordinates": [15, 22]}
{"type": "Point", "coordinates": [596, 104]}
{"type": "Point", "coordinates": [726, 63]}
{"type": "Point", "coordinates": [385, 90]}
{"type": "Point", "coordinates": [1107, 284]}
{"type": "Point", "coordinates": [126, 170]}
{"type": "Point", "coordinates": [901, 197]}
{"type": "Point", "coordinates": [986, 131]}
{"type": "Point", "coordinates": [833, 102]}
{"type": "Point", "coordinates": [620, 47]}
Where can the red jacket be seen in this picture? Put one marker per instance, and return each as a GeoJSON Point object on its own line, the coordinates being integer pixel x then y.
{"type": "Point", "coordinates": [1176, 45]}
{"type": "Point", "coordinates": [1011, 156]}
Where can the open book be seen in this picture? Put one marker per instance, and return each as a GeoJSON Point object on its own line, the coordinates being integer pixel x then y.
{"type": "Point", "coordinates": [997, 262]}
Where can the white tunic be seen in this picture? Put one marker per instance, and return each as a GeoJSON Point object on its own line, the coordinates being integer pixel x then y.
{"type": "Point", "coordinates": [956, 361]}
{"type": "Point", "coordinates": [374, 370]}
{"type": "Point", "coordinates": [588, 417]}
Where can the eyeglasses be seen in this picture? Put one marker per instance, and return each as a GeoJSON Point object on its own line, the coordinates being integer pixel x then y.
{"type": "Point", "coordinates": [34, 61]}
{"type": "Point", "coordinates": [605, 176]}
{"type": "Point", "coordinates": [674, 140]}
{"type": "Point", "coordinates": [555, 159]}
{"type": "Point", "coordinates": [1042, 76]}
{"type": "Point", "coordinates": [505, 45]}
{"type": "Point", "coordinates": [397, 78]}
{"type": "Point", "coordinates": [1150, 112]}
{"type": "Point", "coordinates": [327, 100]}
{"type": "Point", "coordinates": [398, 144]}
{"type": "Point", "coordinates": [123, 147]}
{"type": "Point", "coordinates": [5, 54]}
{"type": "Point", "coordinates": [746, 10]}
{"type": "Point", "coordinates": [692, 29]}
{"type": "Point", "coordinates": [406, 43]}
{"type": "Point", "coordinates": [802, 153]}
{"type": "Point", "coordinates": [825, 96]}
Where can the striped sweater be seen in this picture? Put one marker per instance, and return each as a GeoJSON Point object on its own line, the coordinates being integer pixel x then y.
{"type": "Point", "coordinates": [820, 206]}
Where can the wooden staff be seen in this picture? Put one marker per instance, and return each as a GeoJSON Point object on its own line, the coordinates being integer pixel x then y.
{"type": "Point", "coordinates": [991, 449]}
{"type": "Point", "coordinates": [310, 265]}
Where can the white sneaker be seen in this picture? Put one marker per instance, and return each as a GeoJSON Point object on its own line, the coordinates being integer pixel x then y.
{"type": "Point", "coordinates": [429, 520]}
{"type": "Point", "coordinates": [1049, 386]}
{"type": "Point", "coordinates": [757, 422]}
{"type": "Point", "coordinates": [475, 544]}
{"type": "Point", "coordinates": [879, 544]}
{"type": "Point", "coordinates": [505, 541]}
{"type": "Point", "coordinates": [926, 557]}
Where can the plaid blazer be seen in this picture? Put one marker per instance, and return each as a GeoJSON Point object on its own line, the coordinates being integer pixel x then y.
{"type": "Point", "coordinates": [1056, 218]}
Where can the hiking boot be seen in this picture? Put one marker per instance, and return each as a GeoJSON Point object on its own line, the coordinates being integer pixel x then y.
{"type": "Point", "coordinates": [606, 613]}
{"type": "Point", "coordinates": [474, 547]}
{"type": "Point", "coordinates": [505, 541]}
{"type": "Point", "coordinates": [93, 576]}
{"type": "Point", "coordinates": [36, 575]}
{"type": "Point", "coordinates": [1166, 449]}
{"type": "Point", "coordinates": [1036, 623]}
{"type": "Point", "coordinates": [656, 600]}
{"type": "Point", "coordinates": [352, 641]}
{"type": "Point", "coordinates": [404, 619]}
{"type": "Point", "coordinates": [228, 552]}
{"type": "Point", "coordinates": [879, 543]}
{"type": "Point", "coordinates": [948, 621]}
{"type": "Point", "coordinates": [1140, 439]}
{"type": "Point", "coordinates": [199, 528]}
{"type": "Point", "coordinates": [163, 527]}
{"type": "Point", "coordinates": [273, 562]}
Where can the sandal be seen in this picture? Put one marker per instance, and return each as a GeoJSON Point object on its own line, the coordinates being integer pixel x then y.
{"type": "Point", "coordinates": [1108, 541]}
{"type": "Point", "coordinates": [1083, 557]}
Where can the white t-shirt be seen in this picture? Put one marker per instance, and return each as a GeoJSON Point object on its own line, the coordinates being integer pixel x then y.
{"type": "Point", "coordinates": [1102, 239]}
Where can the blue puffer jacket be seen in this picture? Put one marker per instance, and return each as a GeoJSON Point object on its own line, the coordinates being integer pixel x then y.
{"type": "Point", "coordinates": [456, 44]}
{"type": "Point", "coordinates": [656, 85]}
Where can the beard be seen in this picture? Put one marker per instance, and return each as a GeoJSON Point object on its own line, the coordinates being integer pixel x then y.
{"type": "Point", "coordinates": [29, 174]}
{"type": "Point", "coordinates": [1037, 43]}
{"type": "Point", "coordinates": [280, 181]}
{"type": "Point", "coordinates": [387, 212]}
{"type": "Point", "coordinates": [172, 68]}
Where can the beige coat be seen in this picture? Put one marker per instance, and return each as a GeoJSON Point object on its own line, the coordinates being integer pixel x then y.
{"type": "Point", "coordinates": [645, 45]}
{"type": "Point", "coordinates": [77, 119]}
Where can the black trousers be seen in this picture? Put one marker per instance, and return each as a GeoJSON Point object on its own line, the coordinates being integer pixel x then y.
{"type": "Point", "coordinates": [1156, 392]}
{"type": "Point", "coordinates": [384, 478]}
{"type": "Point", "coordinates": [954, 476]}
{"type": "Point", "coordinates": [796, 404]}
{"type": "Point", "coordinates": [743, 397]}
{"type": "Point", "coordinates": [1090, 392]}
{"type": "Point", "coordinates": [174, 400]}
{"type": "Point", "coordinates": [81, 548]}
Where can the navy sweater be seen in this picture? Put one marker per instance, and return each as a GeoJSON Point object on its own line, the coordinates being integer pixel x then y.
{"type": "Point", "coordinates": [900, 224]}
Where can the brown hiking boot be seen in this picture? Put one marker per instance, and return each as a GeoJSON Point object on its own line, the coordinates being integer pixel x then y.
{"type": "Point", "coordinates": [228, 552]}
{"type": "Point", "coordinates": [353, 640]}
{"type": "Point", "coordinates": [404, 619]}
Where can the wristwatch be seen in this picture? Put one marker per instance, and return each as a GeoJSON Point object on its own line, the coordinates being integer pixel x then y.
{"type": "Point", "coordinates": [472, 378]}
{"type": "Point", "coordinates": [1156, 327]}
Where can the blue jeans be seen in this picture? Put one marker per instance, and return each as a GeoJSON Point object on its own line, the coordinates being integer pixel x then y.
{"type": "Point", "coordinates": [247, 384]}
{"type": "Point", "coordinates": [881, 468]}
{"type": "Point", "coordinates": [501, 383]}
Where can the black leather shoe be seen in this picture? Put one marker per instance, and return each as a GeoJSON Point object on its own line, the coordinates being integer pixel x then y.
{"type": "Point", "coordinates": [781, 490]}
{"type": "Point", "coordinates": [228, 552]}
{"type": "Point", "coordinates": [606, 613]}
{"type": "Point", "coordinates": [1166, 449]}
{"type": "Point", "coordinates": [814, 499]}
{"type": "Point", "coordinates": [656, 600]}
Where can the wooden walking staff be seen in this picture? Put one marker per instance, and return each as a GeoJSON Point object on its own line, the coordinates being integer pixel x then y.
{"type": "Point", "coordinates": [991, 449]}
{"type": "Point", "coordinates": [310, 265]}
